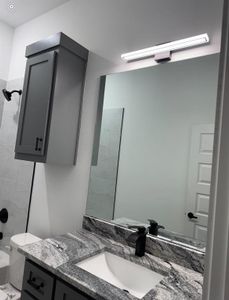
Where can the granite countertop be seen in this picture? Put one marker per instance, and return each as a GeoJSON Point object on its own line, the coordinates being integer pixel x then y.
{"type": "Point", "coordinates": [60, 255]}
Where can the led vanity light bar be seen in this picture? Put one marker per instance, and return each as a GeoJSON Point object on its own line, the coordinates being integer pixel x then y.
{"type": "Point", "coordinates": [167, 47]}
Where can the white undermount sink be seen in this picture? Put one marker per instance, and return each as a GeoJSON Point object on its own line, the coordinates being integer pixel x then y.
{"type": "Point", "coordinates": [121, 273]}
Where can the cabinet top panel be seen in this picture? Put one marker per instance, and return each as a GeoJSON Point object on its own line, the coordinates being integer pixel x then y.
{"type": "Point", "coordinates": [54, 41]}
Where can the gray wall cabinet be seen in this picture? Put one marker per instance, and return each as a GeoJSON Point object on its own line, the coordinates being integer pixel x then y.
{"type": "Point", "coordinates": [39, 284]}
{"type": "Point", "coordinates": [49, 119]}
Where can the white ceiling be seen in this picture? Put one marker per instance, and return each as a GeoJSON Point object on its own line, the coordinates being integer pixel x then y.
{"type": "Point", "coordinates": [25, 10]}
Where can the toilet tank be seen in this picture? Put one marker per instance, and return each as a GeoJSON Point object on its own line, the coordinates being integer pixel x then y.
{"type": "Point", "coordinates": [17, 260]}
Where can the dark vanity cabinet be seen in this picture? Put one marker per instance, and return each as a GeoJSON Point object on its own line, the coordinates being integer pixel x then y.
{"type": "Point", "coordinates": [49, 119]}
{"type": "Point", "coordinates": [39, 284]}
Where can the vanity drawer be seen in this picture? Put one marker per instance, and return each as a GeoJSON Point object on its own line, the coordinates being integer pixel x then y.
{"type": "Point", "coordinates": [65, 292]}
{"type": "Point", "coordinates": [37, 282]}
{"type": "Point", "coordinates": [26, 296]}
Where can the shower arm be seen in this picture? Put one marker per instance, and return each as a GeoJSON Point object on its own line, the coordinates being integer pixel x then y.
{"type": "Point", "coordinates": [16, 91]}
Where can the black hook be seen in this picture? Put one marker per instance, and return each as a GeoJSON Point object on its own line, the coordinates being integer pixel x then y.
{"type": "Point", "coordinates": [4, 215]}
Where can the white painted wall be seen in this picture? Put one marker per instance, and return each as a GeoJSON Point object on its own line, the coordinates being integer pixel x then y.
{"type": "Point", "coordinates": [107, 28]}
{"type": "Point", "coordinates": [6, 40]}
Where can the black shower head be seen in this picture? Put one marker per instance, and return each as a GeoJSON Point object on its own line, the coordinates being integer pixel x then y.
{"type": "Point", "coordinates": [8, 95]}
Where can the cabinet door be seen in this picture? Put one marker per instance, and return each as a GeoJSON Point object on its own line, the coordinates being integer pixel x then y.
{"type": "Point", "coordinates": [36, 104]}
{"type": "Point", "coordinates": [26, 296]}
{"type": "Point", "coordinates": [37, 282]}
{"type": "Point", "coordinates": [64, 292]}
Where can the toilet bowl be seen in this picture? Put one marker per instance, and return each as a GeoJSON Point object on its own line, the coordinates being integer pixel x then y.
{"type": "Point", "coordinates": [17, 261]}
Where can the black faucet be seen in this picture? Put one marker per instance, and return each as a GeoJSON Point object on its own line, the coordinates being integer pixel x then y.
{"type": "Point", "coordinates": [141, 233]}
{"type": "Point", "coordinates": [154, 227]}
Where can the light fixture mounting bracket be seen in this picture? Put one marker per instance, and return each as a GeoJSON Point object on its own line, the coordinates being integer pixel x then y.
{"type": "Point", "coordinates": [162, 57]}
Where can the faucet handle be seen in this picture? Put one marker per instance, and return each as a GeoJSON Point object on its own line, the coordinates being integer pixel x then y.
{"type": "Point", "coordinates": [154, 226]}
{"type": "Point", "coordinates": [161, 227]}
{"type": "Point", "coordinates": [151, 221]}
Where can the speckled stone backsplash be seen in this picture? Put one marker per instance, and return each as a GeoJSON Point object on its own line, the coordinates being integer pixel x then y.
{"type": "Point", "coordinates": [167, 251]}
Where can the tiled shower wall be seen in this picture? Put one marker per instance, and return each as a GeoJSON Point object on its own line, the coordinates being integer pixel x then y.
{"type": "Point", "coordinates": [15, 175]}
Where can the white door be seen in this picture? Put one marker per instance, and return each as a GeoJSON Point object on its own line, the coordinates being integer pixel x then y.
{"type": "Point", "coordinates": [199, 181]}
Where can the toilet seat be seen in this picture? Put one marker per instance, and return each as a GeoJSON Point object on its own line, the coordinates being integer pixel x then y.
{"type": "Point", "coordinates": [3, 296]}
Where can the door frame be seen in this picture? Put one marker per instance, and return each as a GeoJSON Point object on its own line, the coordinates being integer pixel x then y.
{"type": "Point", "coordinates": [217, 255]}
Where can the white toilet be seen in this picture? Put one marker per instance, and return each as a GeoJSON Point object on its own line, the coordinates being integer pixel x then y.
{"type": "Point", "coordinates": [17, 261]}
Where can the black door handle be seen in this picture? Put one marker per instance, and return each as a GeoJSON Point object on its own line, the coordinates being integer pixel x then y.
{"type": "Point", "coordinates": [192, 216]}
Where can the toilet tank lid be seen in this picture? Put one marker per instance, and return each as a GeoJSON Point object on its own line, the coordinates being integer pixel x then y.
{"type": "Point", "coordinates": [23, 239]}
{"type": "Point", "coordinates": [3, 296]}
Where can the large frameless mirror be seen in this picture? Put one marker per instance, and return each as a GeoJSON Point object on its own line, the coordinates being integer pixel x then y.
{"type": "Point", "coordinates": [153, 148]}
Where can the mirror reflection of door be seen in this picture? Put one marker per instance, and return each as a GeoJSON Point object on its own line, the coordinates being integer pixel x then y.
{"type": "Point", "coordinates": [199, 181]}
